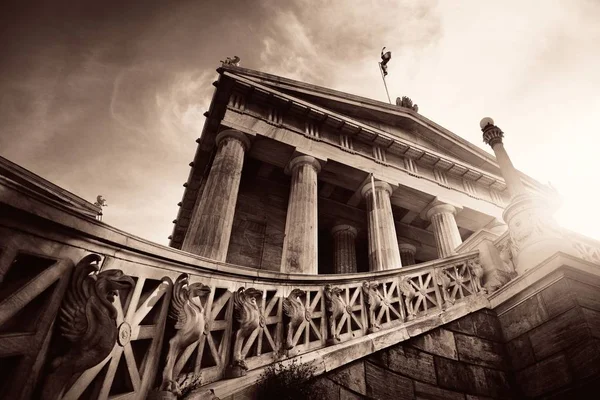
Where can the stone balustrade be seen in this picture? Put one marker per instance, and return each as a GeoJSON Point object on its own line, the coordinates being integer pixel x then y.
{"type": "Point", "coordinates": [587, 247]}
{"type": "Point", "coordinates": [248, 318]}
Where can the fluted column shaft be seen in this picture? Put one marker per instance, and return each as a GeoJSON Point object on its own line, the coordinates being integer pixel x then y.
{"type": "Point", "coordinates": [445, 230]}
{"type": "Point", "coordinates": [300, 243]}
{"type": "Point", "coordinates": [210, 228]}
{"type": "Point", "coordinates": [383, 244]}
{"type": "Point", "coordinates": [407, 254]}
{"type": "Point", "coordinates": [344, 249]}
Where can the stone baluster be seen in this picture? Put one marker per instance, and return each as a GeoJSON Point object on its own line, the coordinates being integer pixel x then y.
{"type": "Point", "coordinates": [407, 254]}
{"type": "Point", "coordinates": [300, 243]}
{"type": "Point", "coordinates": [383, 243]}
{"type": "Point", "coordinates": [445, 230]}
{"type": "Point", "coordinates": [210, 228]}
{"type": "Point", "coordinates": [344, 248]}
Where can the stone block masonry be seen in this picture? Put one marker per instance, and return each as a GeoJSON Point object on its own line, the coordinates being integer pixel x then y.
{"type": "Point", "coordinates": [465, 359]}
{"type": "Point", "coordinates": [546, 345]}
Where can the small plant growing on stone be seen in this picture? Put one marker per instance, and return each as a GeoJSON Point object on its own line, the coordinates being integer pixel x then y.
{"type": "Point", "coordinates": [294, 381]}
{"type": "Point", "coordinates": [188, 384]}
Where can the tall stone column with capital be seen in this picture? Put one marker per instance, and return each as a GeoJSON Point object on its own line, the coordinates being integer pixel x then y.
{"type": "Point", "coordinates": [344, 248]}
{"type": "Point", "coordinates": [407, 254]}
{"type": "Point", "coordinates": [445, 230]}
{"type": "Point", "coordinates": [300, 243]}
{"type": "Point", "coordinates": [535, 236]}
{"type": "Point", "coordinates": [210, 227]}
{"type": "Point", "coordinates": [383, 243]}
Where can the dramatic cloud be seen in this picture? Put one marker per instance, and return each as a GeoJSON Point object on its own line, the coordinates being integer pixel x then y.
{"type": "Point", "coordinates": [102, 97]}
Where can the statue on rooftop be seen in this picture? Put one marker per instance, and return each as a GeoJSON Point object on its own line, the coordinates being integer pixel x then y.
{"type": "Point", "coordinates": [385, 58]}
{"type": "Point", "coordinates": [406, 102]}
{"type": "Point", "coordinates": [100, 201]}
{"type": "Point", "coordinates": [235, 61]}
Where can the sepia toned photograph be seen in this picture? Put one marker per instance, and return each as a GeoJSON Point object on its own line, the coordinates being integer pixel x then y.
{"type": "Point", "coordinates": [299, 200]}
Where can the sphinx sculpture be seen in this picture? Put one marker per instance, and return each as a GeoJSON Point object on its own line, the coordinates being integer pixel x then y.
{"type": "Point", "coordinates": [409, 293]}
{"type": "Point", "coordinates": [294, 309]}
{"type": "Point", "coordinates": [373, 301]}
{"type": "Point", "coordinates": [87, 319]}
{"type": "Point", "coordinates": [249, 317]}
{"type": "Point", "coordinates": [189, 324]}
{"type": "Point", "coordinates": [335, 307]}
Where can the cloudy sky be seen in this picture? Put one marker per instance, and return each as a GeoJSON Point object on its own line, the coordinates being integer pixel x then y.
{"type": "Point", "coordinates": [105, 98]}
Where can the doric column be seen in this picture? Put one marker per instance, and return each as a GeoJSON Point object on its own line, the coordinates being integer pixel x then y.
{"type": "Point", "coordinates": [210, 228]}
{"type": "Point", "coordinates": [407, 254]}
{"type": "Point", "coordinates": [344, 249]}
{"type": "Point", "coordinates": [445, 230]}
{"type": "Point", "coordinates": [534, 234]}
{"type": "Point", "coordinates": [383, 244]}
{"type": "Point", "coordinates": [300, 243]}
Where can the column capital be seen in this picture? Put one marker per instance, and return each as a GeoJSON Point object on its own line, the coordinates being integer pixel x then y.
{"type": "Point", "coordinates": [344, 228]}
{"type": "Point", "coordinates": [379, 185]}
{"type": "Point", "coordinates": [237, 135]}
{"type": "Point", "coordinates": [437, 207]}
{"type": "Point", "coordinates": [300, 160]}
{"type": "Point", "coordinates": [492, 135]}
{"type": "Point", "coordinates": [407, 247]}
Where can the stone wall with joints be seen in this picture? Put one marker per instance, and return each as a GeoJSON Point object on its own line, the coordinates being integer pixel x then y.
{"type": "Point", "coordinates": [552, 334]}
{"type": "Point", "coordinates": [464, 359]}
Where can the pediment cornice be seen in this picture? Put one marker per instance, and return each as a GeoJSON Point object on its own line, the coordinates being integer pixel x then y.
{"type": "Point", "coordinates": [370, 134]}
{"type": "Point", "coordinates": [280, 85]}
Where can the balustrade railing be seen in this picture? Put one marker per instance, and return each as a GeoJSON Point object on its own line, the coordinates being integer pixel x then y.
{"type": "Point", "coordinates": [587, 247]}
{"type": "Point", "coordinates": [53, 317]}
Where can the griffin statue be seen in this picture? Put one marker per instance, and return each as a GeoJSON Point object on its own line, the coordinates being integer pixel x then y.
{"type": "Point", "coordinates": [409, 293]}
{"type": "Point", "coordinates": [87, 319]}
{"type": "Point", "coordinates": [294, 309]}
{"type": "Point", "coordinates": [443, 281]}
{"type": "Point", "coordinates": [476, 271]}
{"type": "Point", "coordinates": [249, 318]}
{"type": "Point", "coordinates": [190, 325]}
{"type": "Point", "coordinates": [336, 307]}
{"type": "Point", "coordinates": [373, 300]}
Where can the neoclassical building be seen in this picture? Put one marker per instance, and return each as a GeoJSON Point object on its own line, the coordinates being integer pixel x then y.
{"type": "Point", "coordinates": [296, 178]}
{"type": "Point", "coordinates": [316, 227]}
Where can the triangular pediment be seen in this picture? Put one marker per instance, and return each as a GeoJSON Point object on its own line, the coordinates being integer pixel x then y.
{"type": "Point", "coordinates": [392, 127]}
{"type": "Point", "coordinates": [398, 121]}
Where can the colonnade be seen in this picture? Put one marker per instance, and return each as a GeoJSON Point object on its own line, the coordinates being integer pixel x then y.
{"type": "Point", "coordinates": [209, 231]}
